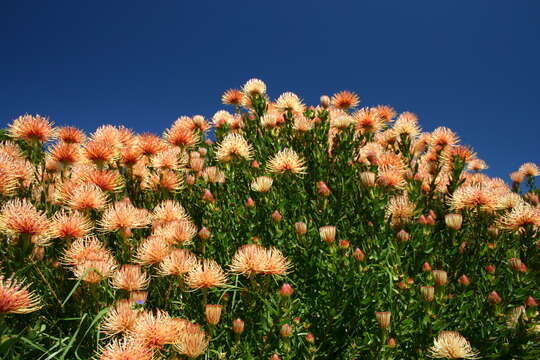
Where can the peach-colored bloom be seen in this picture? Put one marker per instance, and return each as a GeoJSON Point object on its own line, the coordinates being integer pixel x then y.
{"type": "Point", "coordinates": [206, 274]}
{"type": "Point", "coordinates": [345, 100]}
{"type": "Point", "coordinates": [15, 298]}
{"type": "Point", "coordinates": [286, 161]}
{"type": "Point", "coordinates": [178, 262]}
{"type": "Point", "coordinates": [130, 278]}
{"type": "Point", "coordinates": [20, 217]}
{"type": "Point", "coordinates": [31, 128]}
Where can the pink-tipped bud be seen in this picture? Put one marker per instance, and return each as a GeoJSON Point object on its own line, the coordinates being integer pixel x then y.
{"type": "Point", "coordinates": [203, 151]}
{"type": "Point", "coordinates": [300, 228]}
{"type": "Point", "coordinates": [403, 236]}
{"type": "Point", "coordinates": [125, 233]}
{"type": "Point", "coordinates": [213, 313]}
{"type": "Point", "coordinates": [490, 269]}
{"type": "Point", "coordinates": [310, 338]}
{"type": "Point", "coordinates": [286, 290]}
{"type": "Point", "coordinates": [208, 196]}
{"type": "Point", "coordinates": [285, 331]}
{"type": "Point", "coordinates": [317, 120]}
{"type": "Point", "coordinates": [523, 268]}
{"type": "Point", "coordinates": [275, 357]}
{"type": "Point", "coordinates": [422, 220]}
{"type": "Point", "coordinates": [208, 142]}
{"type": "Point", "coordinates": [238, 326]}
{"type": "Point", "coordinates": [297, 320]}
{"type": "Point", "coordinates": [515, 263]}
{"type": "Point", "coordinates": [402, 285]}
{"type": "Point", "coordinates": [344, 244]}
{"type": "Point", "coordinates": [531, 302]}
{"type": "Point", "coordinates": [453, 221]}
{"type": "Point", "coordinates": [255, 164]}
{"type": "Point", "coordinates": [494, 298]}
{"type": "Point", "coordinates": [190, 179]}
{"type": "Point", "coordinates": [430, 220]}
{"type": "Point", "coordinates": [432, 214]}
{"type": "Point", "coordinates": [250, 203]}
{"type": "Point", "coordinates": [368, 178]}
{"type": "Point", "coordinates": [391, 342]}
{"type": "Point", "coordinates": [359, 255]}
{"type": "Point", "coordinates": [328, 233]}
{"type": "Point", "coordinates": [323, 189]}
{"type": "Point", "coordinates": [462, 247]}
{"type": "Point", "coordinates": [204, 233]}
{"type": "Point", "coordinates": [426, 267]}
{"type": "Point", "coordinates": [325, 101]}
{"type": "Point", "coordinates": [276, 216]}
{"type": "Point", "coordinates": [464, 280]}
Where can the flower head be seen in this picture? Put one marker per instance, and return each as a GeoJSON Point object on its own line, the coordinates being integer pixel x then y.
{"type": "Point", "coordinates": [451, 345]}
{"type": "Point", "coordinates": [255, 259]}
{"type": "Point", "coordinates": [193, 341]}
{"type": "Point", "coordinates": [254, 87]}
{"type": "Point", "coordinates": [290, 102]}
{"type": "Point", "coordinates": [234, 146]}
{"type": "Point", "coordinates": [15, 298]}
{"type": "Point", "coordinates": [31, 128]}
{"type": "Point", "coordinates": [206, 274]}
{"type": "Point", "coordinates": [125, 349]}
{"type": "Point", "coordinates": [70, 225]}
{"type": "Point", "coordinates": [130, 278]}
{"type": "Point", "coordinates": [20, 217]}
{"type": "Point", "coordinates": [120, 319]}
{"type": "Point", "coordinates": [178, 262]}
{"type": "Point", "coordinates": [345, 100]}
{"type": "Point", "coordinates": [286, 161]}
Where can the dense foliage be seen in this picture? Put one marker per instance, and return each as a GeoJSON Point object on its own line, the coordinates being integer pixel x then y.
{"type": "Point", "coordinates": [296, 233]}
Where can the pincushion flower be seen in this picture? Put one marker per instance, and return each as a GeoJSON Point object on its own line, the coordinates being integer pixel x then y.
{"type": "Point", "coordinates": [472, 197]}
{"type": "Point", "coordinates": [89, 260]}
{"type": "Point", "coordinates": [407, 125]}
{"type": "Point", "coordinates": [193, 341]}
{"type": "Point", "coordinates": [206, 274]}
{"type": "Point", "coordinates": [152, 250]}
{"type": "Point", "coordinates": [168, 211]}
{"type": "Point", "coordinates": [65, 153]}
{"type": "Point", "coordinates": [15, 298]}
{"type": "Point", "coordinates": [234, 146]}
{"type": "Point", "coordinates": [367, 120]}
{"type": "Point", "coordinates": [399, 210]}
{"type": "Point", "coordinates": [520, 217]}
{"type": "Point", "coordinates": [262, 184]}
{"type": "Point", "coordinates": [452, 345]}
{"type": "Point", "coordinates": [100, 152]}
{"type": "Point", "coordinates": [443, 137]}
{"type": "Point", "coordinates": [120, 319]}
{"type": "Point", "coordinates": [125, 349]}
{"type": "Point", "coordinates": [179, 136]}
{"type": "Point", "coordinates": [254, 259]}
{"type": "Point", "coordinates": [178, 262]}
{"type": "Point", "coordinates": [289, 101]}
{"type": "Point", "coordinates": [130, 278]}
{"type": "Point", "coordinates": [123, 216]}
{"type": "Point", "coordinates": [345, 100]}
{"type": "Point", "coordinates": [150, 144]}
{"type": "Point", "coordinates": [155, 330]}
{"type": "Point", "coordinates": [71, 135]}
{"type": "Point", "coordinates": [232, 97]}
{"type": "Point", "coordinates": [19, 217]}
{"type": "Point", "coordinates": [386, 113]}
{"type": "Point", "coordinates": [86, 197]}
{"type": "Point", "coordinates": [254, 87]}
{"type": "Point", "coordinates": [70, 225]}
{"type": "Point", "coordinates": [529, 169]}
{"type": "Point", "coordinates": [286, 161]}
{"type": "Point", "coordinates": [31, 128]}
{"type": "Point", "coordinates": [179, 232]}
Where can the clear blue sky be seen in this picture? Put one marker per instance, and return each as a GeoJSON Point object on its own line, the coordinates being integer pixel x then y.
{"type": "Point", "coordinates": [473, 66]}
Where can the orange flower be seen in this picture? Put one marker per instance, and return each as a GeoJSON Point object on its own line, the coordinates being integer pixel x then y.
{"type": "Point", "coordinates": [234, 146]}
{"type": "Point", "coordinates": [345, 100]}
{"type": "Point", "coordinates": [130, 278]}
{"type": "Point", "coordinates": [123, 216]}
{"type": "Point", "coordinates": [120, 319]}
{"type": "Point", "coordinates": [150, 144]}
{"type": "Point", "coordinates": [87, 196]}
{"type": "Point", "coordinates": [100, 152]}
{"type": "Point", "coordinates": [254, 87]}
{"type": "Point", "coordinates": [206, 274]}
{"type": "Point", "coordinates": [125, 349]}
{"type": "Point", "coordinates": [193, 341]}
{"type": "Point", "coordinates": [286, 161]}
{"type": "Point", "coordinates": [65, 153]}
{"type": "Point", "coordinates": [399, 210]}
{"type": "Point", "coordinates": [70, 225]}
{"type": "Point", "coordinates": [71, 135]}
{"type": "Point", "coordinates": [178, 262]}
{"type": "Point", "coordinates": [232, 97]}
{"type": "Point", "coordinates": [152, 250]}
{"type": "Point", "coordinates": [179, 232]}
{"type": "Point", "coordinates": [155, 330]}
{"type": "Point", "coordinates": [290, 102]}
{"type": "Point", "coordinates": [20, 217]}
{"type": "Point", "coordinates": [254, 259]}
{"type": "Point", "coordinates": [168, 211]}
{"type": "Point", "coordinates": [16, 298]}
{"type": "Point", "coordinates": [529, 169]}
{"type": "Point", "coordinates": [31, 128]}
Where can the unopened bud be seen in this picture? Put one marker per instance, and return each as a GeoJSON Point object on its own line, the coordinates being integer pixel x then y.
{"type": "Point", "coordinates": [328, 233]}
{"type": "Point", "coordinates": [391, 342]}
{"type": "Point", "coordinates": [250, 203]}
{"type": "Point", "coordinates": [286, 290]}
{"type": "Point", "coordinates": [453, 221]}
{"type": "Point", "coordinates": [344, 244]}
{"type": "Point", "coordinates": [359, 255]}
{"type": "Point", "coordinates": [310, 338]}
{"type": "Point", "coordinates": [368, 178]}
{"type": "Point", "coordinates": [323, 189]}
{"type": "Point", "coordinates": [207, 196]}
{"type": "Point", "coordinates": [440, 277]}
{"type": "Point", "coordinates": [531, 302]}
{"type": "Point", "coordinates": [494, 298]}
{"type": "Point", "coordinates": [515, 263]}
{"type": "Point", "coordinates": [383, 318]}
{"type": "Point", "coordinates": [213, 313]}
{"type": "Point", "coordinates": [204, 233]}
{"type": "Point", "coordinates": [403, 236]}
{"type": "Point", "coordinates": [238, 326]}
{"type": "Point", "coordinates": [190, 179]}
{"type": "Point", "coordinates": [255, 164]}
{"type": "Point", "coordinates": [276, 216]}
{"type": "Point", "coordinates": [464, 280]}
{"type": "Point", "coordinates": [285, 331]}
{"type": "Point", "coordinates": [490, 269]}
{"type": "Point", "coordinates": [462, 247]}
{"type": "Point", "coordinates": [426, 267]}
{"type": "Point", "coordinates": [300, 228]}
{"type": "Point", "coordinates": [275, 357]}
{"type": "Point", "coordinates": [325, 101]}
{"type": "Point", "coordinates": [428, 293]}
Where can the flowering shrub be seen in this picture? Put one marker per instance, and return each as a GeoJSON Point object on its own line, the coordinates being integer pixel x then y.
{"type": "Point", "coordinates": [298, 232]}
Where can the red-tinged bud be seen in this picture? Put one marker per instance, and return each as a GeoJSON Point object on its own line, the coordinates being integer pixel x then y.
{"type": "Point", "coordinates": [359, 255]}
{"type": "Point", "coordinates": [367, 178]}
{"type": "Point", "coordinates": [428, 293]}
{"type": "Point", "coordinates": [250, 203]}
{"type": "Point", "coordinates": [55, 264]}
{"type": "Point", "coordinates": [440, 277]}
{"type": "Point", "coordinates": [462, 247]}
{"type": "Point", "coordinates": [325, 101]}
{"type": "Point", "coordinates": [255, 164]}
{"type": "Point", "coordinates": [453, 221]}
{"type": "Point", "coordinates": [402, 285]}
{"type": "Point", "coordinates": [422, 220]}
{"type": "Point", "coordinates": [204, 233]}
{"type": "Point", "coordinates": [515, 263]}
{"type": "Point", "coordinates": [426, 267]}
{"type": "Point", "coordinates": [300, 228]}
{"type": "Point", "coordinates": [432, 214]}
{"type": "Point", "coordinates": [430, 220]}
{"type": "Point", "coordinates": [238, 326]}
{"type": "Point", "coordinates": [251, 116]}
{"type": "Point", "coordinates": [275, 357]}
{"type": "Point", "coordinates": [410, 281]}
{"type": "Point", "coordinates": [203, 151]}
{"type": "Point", "coordinates": [213, 313]}
{"type": "Point", "coordinates": [125, 233]}
{"type": "Point", "coordinates": [297, 320]}
{"type": "Point", "coordinates": [383, 319]}
{"type": "Point", "coordinates": [531, 302]}
{"type": "Point", "coordinates": [418, 177]}
{"type": "Point", "coordinates": [491, 245]}
{"type": "Point", "coordinates": [323, 189]}
{"type": "Point", "coordinates": [285, 331]}
{"type": "Point", "coordinates": [372, 157]}
{"type": "Point", "coordinates": [464, 280]}
{"type": "Point", "coordinates": [286, 290]}
{"type": "Point", "coordinates": [494, 298]}
{"type": "Point", "coordinates": [392, 342]}
{"type": "Point", "coordinates": [207, 196]}
{"type": "Point", "coordinates": [276, 216]}
{"type": "Point", "coordinates": [38, 253]}
{"type": "Point", "coordinates": [425, 187]}
{"type": "Point", "coordinates": [523, 268]}
{"type": "Point", "coordinates": [493, 230]}
{"type": "Point", "coordinates": [310, 338]}
{"type": "Point", "coordinates": [490, 269]}
{"type": "Point", "coordinates": [190, 179]}
{"type": "Point", "coordinates": [208, 142]}
{"type": "Point", "coordinates": [344, 244]}
{"type": "Point", "coordinates": [226, 297]}
{"type": "Point", "coordinates": [403, 236]}
{"type": "Point", "coordinates": [317, 120]}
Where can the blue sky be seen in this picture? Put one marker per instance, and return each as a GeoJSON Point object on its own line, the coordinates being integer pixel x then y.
{"type": "Point", "coordinates": [470, 65]}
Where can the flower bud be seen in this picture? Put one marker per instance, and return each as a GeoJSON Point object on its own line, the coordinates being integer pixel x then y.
{"type": "Point", "coordinates": [428, 293]}
{"type": "Point", "coordinates": [325, 101]}
{"type": "Point", "coordinates": [464, 280]}
{"type": "Point", "coordinates": [422, 220]}
{"type": "Point", "coordinates": [138, 297]}
{"type": "Point", "coordinates": [344, 244]}
{"type": "Point", "coordinates": [310, 338]}
{"type": "Point", "coordinates": [531, 302]}
{"type": "Point", "coordinates": [368, 178]}
{"type": "Point", "coordinates": [432, 214]}
{"type": "Point", "coordinates": [490, 269]}
{"type": "Point", "coordinates": [213, 313]}
{"type": "Point", "coordinates": [285, 331]}
{"type": "Point", "coordinates": [403, 236]}
{"type": "Point", "coordinates": [238, 326]}
{"type": "Point", "coordinates": [286, 290]}
{"type": "Point", "coordinates": [300, 228]}
{"type": "Point", "coordinates": [328, 233]}
{"type": "Point", "coordinates": [391, 342]}
{"type": "Point", "coordinates": [323, 189]}
{"type": "Point", "coordinates": [426, 267]}
{"type": "Point", "coordinates": [440, 277]}
{"type": "Point", "coordinates": [38, 253]}
{"type": "Point", "coordinates": [430, 220]}
{"type": "Point", "coordinates": [204, 233]}
{"type": "Point", "coordinates": [203, 151]}
{"type": "Point", "coordinates": [208, 142]}
{"type": "Point", "coordinates": [275, 357]}
{"type": "Point", "coordinates": [276, 216]}
{"type": "Point", "coordinates": [297, 320]}
{"type": "Point", "coordinates": [462, 247]}
{"type": "Point", "coordinates": [359, 255]}
{"type": "Point", "coordinates": [494, 298]}
{"type": "Point", "coordinates": [190, 179]}
{"type": "Point", "coordinates": [515, 263]}
{"type": "Point", "coordinates": [383, 318]}
{"type": "Point", "coordinates": [208, 196]}
{"type": "Point", "coordinates": [453, 221]}
{"type": "Point", "coordinates": [255, 164]}
{"type": "Point", "coordinates": [250, 203]}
